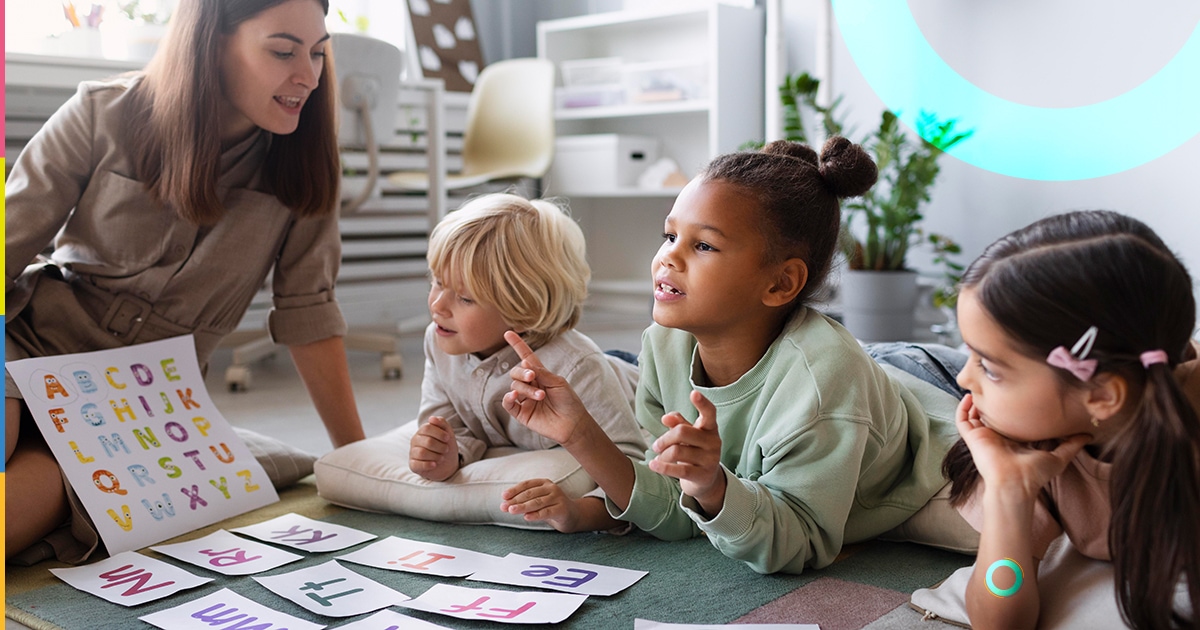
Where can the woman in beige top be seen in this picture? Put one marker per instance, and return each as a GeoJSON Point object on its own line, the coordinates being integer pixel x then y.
{"type": "Point", "coordinates": [1082, 417]}
{"type": "Point", "coordinates": [168, 197]}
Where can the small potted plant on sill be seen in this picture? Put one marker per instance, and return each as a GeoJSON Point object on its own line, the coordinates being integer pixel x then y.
{"type": "Point", "coordinates": [147, 26]}
{"type": "Point", "coordinates": [878, 290]}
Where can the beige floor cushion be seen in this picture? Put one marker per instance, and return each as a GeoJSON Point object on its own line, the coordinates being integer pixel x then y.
{"type": "Point", "coordinates": [373, 475]}
{"type": "Point", "coordinates": [1076, 592]}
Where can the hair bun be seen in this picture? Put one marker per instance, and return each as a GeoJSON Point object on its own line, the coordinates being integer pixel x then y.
{"type": "Point", "coordinates": [792, 149]}
{"type": "Point", "coordinates": [846, 168]}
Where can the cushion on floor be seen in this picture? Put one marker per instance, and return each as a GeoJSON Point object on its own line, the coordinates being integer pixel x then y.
{"type": "Point", "coordinates": [1075, 592]}
{"type": "Point", "coordinates": [283, 463]}
{"type": "Point", "coordinates": [373, 475]}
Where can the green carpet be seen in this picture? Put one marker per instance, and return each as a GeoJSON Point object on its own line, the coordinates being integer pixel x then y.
{"type": "Point", "coordinates": [688, 581]}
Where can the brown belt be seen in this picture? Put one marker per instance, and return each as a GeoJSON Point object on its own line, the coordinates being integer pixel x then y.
{"type": "Point", "coordinates": [122, 314]}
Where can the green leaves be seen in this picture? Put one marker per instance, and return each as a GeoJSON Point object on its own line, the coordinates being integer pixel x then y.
{"type": "Point", "coordinates": [801, 89]}
{"type": "Point", "coordinates": [907, 171]}
{"type": "Point", "coordinates": [888, 216]}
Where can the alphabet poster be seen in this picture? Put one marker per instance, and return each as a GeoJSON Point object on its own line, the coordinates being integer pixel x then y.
{"type": "Point", "coordinates": [141, 441]}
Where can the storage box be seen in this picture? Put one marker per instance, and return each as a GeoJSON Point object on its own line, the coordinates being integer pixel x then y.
{"type": "Point", "coordinates": [603, 95]}
{"type": "Point", "coordinates": [654, 82]}
{"type": "Point", "coordinates": [599, 163]}
{"type": "Point", "coordinates": [599, 71]}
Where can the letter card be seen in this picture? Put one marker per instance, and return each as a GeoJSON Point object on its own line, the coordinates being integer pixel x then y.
{"type": "Point", "coordinates": [644, 624]}
{"type": "Point", "coordinates": [138, 437]}
{"type": "Point", "coordinates": [225, 609]}
{"type": "Point", "coordinates": [391, 620]}
{"type": "Point", "coordinates": [129, 578]}
{"type": "Point", "coordinates": [225, 553]}
{"type": "Point", "coordinates": [305, 534]}
{"type": "Point", "coordinates": [559, 575]}
{"type": "Point", "coordinates": [414, 556]}
{"type": "Point", "coordinates": [332, 590]}
{"type": "Point", "coordinates": [486, 604]}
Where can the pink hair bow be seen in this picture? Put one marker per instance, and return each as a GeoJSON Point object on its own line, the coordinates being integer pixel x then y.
{"type": "Point", "coordinates": [1083, 369]}
{"type": "Point", "coordinates": [1150, 357]}
{"type": "Point", "coordinates": [1075, 360]}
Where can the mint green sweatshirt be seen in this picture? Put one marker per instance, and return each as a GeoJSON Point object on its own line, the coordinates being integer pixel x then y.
{"type": "Point", "coordinates": [821, 446]}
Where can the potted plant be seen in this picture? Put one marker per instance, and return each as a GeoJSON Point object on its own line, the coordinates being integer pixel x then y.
{"type": "Point", "coordinates": [878, 290]}
{"type": "Point", "coordinates": [147, 26]}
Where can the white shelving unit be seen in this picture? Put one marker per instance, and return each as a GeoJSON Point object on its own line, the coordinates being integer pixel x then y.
{"type": "Point", "coordinates": [727, 40]}
{"type": "Point", "coordinates": [623, 226]}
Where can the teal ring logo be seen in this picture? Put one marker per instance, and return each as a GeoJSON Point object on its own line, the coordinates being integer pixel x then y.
{"type": "Point", "coordinates": [1040, 143]}
{"type": "Point", "coordinates": [1017, 573]}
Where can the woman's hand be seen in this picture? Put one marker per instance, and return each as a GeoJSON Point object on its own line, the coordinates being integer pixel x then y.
{"type": "Point", "coordinates": [1006, 465]}
{"type": "Point", "coordinates": [541, 399]}
{"type": "Point", "coordinates": [691, 453]}
{"type": "Point", "coordinates": [433, 452]}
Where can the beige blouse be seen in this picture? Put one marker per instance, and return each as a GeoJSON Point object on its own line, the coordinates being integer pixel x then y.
{"type": "Point", "coordinates": [468, 393]}
{"type": "Point", "coordinates": [73, 186]}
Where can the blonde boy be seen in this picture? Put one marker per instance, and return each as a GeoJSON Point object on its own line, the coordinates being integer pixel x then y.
{"type": "Point", "coordinates": [500, 263]}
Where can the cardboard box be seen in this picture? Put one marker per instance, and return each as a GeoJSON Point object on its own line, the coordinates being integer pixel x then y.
{"type": "Point", "coordinates": [599, 163]}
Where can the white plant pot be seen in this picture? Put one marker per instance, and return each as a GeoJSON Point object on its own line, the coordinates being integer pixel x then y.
{"type": "Point", "coordinates": [878, 305]}
{"type": "Point", "coordinates": [142, 41]}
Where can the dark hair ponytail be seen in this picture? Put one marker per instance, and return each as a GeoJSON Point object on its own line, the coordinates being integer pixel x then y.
{"type": "Point", "coordinates": [1046, 284]}
{"type": "Point", "coordinates": [1153, 537]}
{"type": "Point", "coordinates": [797, 192]}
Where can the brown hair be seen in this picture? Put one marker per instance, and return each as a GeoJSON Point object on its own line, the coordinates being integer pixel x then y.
{"type": "Point", "coordinates": [176, 130]}
{"type": "Point", "coordinates": [798, 193]}
{"type": "Point", "coordinates": [1045, 285]}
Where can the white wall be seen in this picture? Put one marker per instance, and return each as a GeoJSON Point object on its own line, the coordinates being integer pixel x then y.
{"type": "Point", "coordinates": [1052, 53]}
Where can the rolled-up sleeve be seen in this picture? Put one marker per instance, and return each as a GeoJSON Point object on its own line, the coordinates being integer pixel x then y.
{"type": "Point", "coordinates": [305, 309]}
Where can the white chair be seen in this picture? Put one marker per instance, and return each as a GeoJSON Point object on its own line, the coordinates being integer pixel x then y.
{"type": "Point", "coordinates": [510, 127]}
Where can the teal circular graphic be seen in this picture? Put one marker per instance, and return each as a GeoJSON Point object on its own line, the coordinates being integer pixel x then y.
{"type": "Point", "coordinates": [1017, 573]}
{"type": "Point", "coordinates": [1042, 143]}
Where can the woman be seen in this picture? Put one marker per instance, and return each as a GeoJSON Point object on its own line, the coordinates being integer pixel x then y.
{"type": "Point", "coordinates": [169, 195]}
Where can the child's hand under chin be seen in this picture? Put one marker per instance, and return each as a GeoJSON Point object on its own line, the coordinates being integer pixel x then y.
{"type": "Point", "coordinates": [691, 453]}
{"type": "Point", "coordinates": [1008, 465]}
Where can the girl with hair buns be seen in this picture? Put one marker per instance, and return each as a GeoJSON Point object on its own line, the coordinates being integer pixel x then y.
{"type": "Point", "coordinates": [1082, 417]}
{"type": "Point", "coordinates": [777, 436]}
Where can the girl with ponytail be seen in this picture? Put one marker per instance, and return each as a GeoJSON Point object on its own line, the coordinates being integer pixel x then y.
{"type": "Point", "coordinates": [776, 435]}
{"type": "Point", "coordinates": [1082, 417]}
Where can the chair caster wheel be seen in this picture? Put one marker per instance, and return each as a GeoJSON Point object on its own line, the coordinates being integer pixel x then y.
{"type": "Point", "coordinates": [237, 378]}
{"type": "Point", "coordinates": [392, 366]}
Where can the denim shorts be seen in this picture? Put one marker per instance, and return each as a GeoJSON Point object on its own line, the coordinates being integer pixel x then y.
{"type": "Point", "coordinates": [933, 363]}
